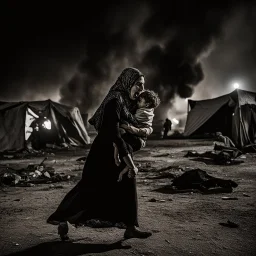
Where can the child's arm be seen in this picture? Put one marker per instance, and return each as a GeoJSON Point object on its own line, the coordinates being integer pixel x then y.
{"type": "Point", "coordinates": [137, 131]}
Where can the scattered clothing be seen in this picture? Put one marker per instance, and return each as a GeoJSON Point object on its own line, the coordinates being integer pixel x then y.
{"type": "Point", "coordinates": [199, 179]}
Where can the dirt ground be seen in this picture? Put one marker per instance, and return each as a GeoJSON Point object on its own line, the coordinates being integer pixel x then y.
{"type": "Point", "coordinates": [182, 223]}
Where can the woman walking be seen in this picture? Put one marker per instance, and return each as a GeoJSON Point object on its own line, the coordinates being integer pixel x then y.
{"type": "Point", "coordinates": [98, 195]}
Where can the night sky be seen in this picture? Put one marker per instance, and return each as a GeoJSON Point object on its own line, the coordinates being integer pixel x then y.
{"type": "Point", "coordinates": [73, 53]}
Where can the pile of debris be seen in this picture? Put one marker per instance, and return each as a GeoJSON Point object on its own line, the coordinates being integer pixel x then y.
{"type": "Point", "coordinates": [197, 180]}
{"type": "Point", "coordinates": [24, 154]}
{"type": "Point", "coordinates": [219, 156]}
{"type": "Point", "coordinates": [33, 174]}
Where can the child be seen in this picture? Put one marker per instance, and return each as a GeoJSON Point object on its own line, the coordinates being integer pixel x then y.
{"type": "Point", "coordinates": [147, 101]}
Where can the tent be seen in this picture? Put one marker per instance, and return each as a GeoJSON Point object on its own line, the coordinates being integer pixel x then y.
{"type": "Point", "coordinates": [233, 114]}
{"type": "Point", "coordinates": [16, 117]}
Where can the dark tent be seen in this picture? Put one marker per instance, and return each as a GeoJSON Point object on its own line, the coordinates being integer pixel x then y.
{"type": "Point", "coordinates": [233, 114]}
{"type": "Point", "coordinates": [16, 117]}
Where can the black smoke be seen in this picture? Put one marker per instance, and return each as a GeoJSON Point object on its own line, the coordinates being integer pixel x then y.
{"type": "Point", "coordinates": [167, 44]}
{"type": "Point", "coordinates": [78, 51]}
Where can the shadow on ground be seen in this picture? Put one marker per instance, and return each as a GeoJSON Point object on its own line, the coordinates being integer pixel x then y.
{"type": "Point", "coordinates": [54, 248]}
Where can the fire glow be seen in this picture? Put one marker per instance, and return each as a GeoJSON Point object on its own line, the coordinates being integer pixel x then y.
{"type": "Point", "coordinates": [175, 121]}
{"type": "Point", "coordinates": [47, 124]}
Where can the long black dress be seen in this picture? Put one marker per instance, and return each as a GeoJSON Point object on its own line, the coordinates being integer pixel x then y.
{"type": "Point", "coordinates": [98, 195]}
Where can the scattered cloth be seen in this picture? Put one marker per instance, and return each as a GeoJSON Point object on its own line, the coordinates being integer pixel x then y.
{"type": "Point", "coordinates": [223, 157]}
{"type": "Point", "coordinates": [199, 179]}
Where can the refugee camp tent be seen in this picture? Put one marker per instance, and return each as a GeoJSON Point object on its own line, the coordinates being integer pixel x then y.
{"type": "Point", "coordinates": [66, 124]}
{"type": "Point", "coordinates": [233, 114]}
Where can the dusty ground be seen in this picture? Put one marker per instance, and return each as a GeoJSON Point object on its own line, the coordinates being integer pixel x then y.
{"type": "Point", "coordinates": [182, 224]}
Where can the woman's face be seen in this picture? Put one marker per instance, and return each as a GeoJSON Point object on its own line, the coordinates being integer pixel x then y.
{"type": "Point", "coordinates": [137, 88]}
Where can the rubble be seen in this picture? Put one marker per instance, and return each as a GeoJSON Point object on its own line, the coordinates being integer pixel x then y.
{"type": "Point", "coordinates": [197, 180]}
{"type": "Point", "coordinates": [33, 174]}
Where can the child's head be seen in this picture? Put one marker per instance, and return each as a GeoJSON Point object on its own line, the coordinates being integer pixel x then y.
{"type": "Point", "coordinates": [148, 99]}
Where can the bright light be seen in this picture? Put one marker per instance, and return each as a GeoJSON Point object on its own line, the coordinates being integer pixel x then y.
{"type": "Point", "coordinates": [175, 121]}
{"type": "Point", "coordinates": [236, 85]}
{"type": "Point", "coordinates": [47, 124]}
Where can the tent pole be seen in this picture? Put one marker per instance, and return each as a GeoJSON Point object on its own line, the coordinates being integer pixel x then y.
{"type": "Point", "coordinates": [240, 121]}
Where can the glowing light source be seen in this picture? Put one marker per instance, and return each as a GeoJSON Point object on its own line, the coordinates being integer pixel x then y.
{"type": "Point", "coordinates": [236, 85]}
{"type": "Point", "coordinates": [47, 124]}
{"type": "Point", "coordinates": [175, 121]}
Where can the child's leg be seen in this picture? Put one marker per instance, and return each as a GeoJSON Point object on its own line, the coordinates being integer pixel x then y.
{"type": "Point", "coordinates": [125, 170]}
{"type": "Point", "coordinates": [116, 155]}
{"type": "Point", "coordinates": [134, 141]}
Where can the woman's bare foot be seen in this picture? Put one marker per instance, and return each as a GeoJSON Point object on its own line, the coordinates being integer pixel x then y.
{"type": "Point", "coordinates": [132, 232]}
{"type": "Point", "coordinates": [63, 231]}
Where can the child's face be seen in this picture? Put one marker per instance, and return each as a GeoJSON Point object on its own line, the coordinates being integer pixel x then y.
{"type": "Point", "coordinates": [142, 103]}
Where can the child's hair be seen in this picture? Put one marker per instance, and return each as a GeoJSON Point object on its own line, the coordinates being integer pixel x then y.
{"type": "Point", "coordinates": [151, 98]}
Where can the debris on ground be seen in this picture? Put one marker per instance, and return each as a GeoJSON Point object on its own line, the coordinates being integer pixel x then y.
{"type": "Point", "coordinates": [218, 156]}
{"type": "Point", "coordinates": [229, 224]}
{"type": "Point", "coordinates": [229, 198]}
{"type": "Point", "coordinates": [168, 172]}
{"type": "Point", "coordinates": [197, 180]}
{"type": "Point", "coordinates": [161, 155]}
{"type": "Point", "coordinates": [153, 200]}
{"type": "Point", "coordinates": [25, 154]}
{"type": "Point", "coordinates": [33, 174]}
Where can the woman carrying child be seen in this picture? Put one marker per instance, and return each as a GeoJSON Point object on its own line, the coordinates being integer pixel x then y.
{"type": "Point", "coordinates": [98, 195]}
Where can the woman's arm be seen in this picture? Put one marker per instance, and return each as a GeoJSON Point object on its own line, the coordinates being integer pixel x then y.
{"type": "Point", "coordinates": [127, 117]}
{"type": "Point", "coordinates": [111, 123]}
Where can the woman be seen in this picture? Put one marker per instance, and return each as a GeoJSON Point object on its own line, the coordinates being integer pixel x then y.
{"type": "Point", "coordinates": [98, 195]}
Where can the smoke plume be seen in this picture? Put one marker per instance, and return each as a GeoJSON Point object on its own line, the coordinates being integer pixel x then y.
{"type": "Point", "coordinates": [166, 42]}
{"type": "Point", "coordinates": [75, 54]}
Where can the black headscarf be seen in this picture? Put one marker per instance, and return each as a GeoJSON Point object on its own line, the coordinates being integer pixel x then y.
{"type": "Point", "coordinates": [121, 91]}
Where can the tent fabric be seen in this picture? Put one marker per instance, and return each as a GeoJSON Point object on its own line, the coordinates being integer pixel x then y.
{"type": "Point", "coordinates": [240, 104]}
{"type": "Point", "coordinates": [248, 122]}
{"type": "Point", "coordinates": [246, 97]}
{"type": "Point", "coordinates": [12, 135]}
{"type": "Point", "coordinates": [66, 122]}
{"type": "Point", "coordinates": [202, 111]}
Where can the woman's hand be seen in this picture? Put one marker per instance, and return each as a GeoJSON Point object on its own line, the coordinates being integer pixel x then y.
{"type": "Point", "coordinates": [132, 172]}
